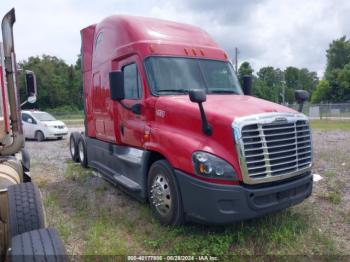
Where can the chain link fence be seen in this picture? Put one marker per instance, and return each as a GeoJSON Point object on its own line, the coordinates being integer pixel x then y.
{"type": "Point", "coordinates": [326, 111]}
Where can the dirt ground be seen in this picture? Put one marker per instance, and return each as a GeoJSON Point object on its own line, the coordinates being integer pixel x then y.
{"type": "Point", "coordinates": [81, 205]}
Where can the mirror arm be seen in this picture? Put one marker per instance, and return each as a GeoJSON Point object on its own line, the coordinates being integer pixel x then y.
{"type": "Point", "coordinates": [207, 129]}
{"type": "Point", "coordinates": [25, 102]}
{"type": "Point", "coordinates": [301, 106]}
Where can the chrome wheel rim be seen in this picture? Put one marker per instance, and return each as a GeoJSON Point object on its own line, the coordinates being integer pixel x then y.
{"type": "Point", "coordinates": [81, 151]}
{"type": "Point", "coordinates": [161, 195]}
{"type": "Point", "coordinates": [72, 147]}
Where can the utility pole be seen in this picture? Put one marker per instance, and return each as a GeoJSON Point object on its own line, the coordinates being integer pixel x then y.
{"type": "Point", "coordinates": [236, 60]}
{"type": "Point", "coordinates": [283, 94]}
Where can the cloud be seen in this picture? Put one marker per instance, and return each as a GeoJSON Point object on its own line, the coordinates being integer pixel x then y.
{"type": "Point", "coordinates": [267, 32]}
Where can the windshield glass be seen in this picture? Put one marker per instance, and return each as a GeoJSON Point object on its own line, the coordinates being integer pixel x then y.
{"type": "Point", "coordinates": [172, 75]}
{"type": "Point", "coordinates": [43, 116]}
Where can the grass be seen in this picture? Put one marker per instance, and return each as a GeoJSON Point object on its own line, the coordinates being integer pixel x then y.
{"type": "Point", "coordinates": [99, 219]}
{"type": "Point", "coordinates": [330, 124]}
{"type": "Point", "coordinates": [334, 197]}
{"type": "Point", "coordinates": [68, 115]}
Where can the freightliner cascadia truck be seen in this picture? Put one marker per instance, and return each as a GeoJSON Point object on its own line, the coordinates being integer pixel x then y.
{"type": "Point", "coordinates": [23, 236]}
{"type": "Point", "coordinates": [167, 121]}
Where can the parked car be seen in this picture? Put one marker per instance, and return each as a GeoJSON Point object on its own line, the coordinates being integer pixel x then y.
{"type": "Point", "coordinates": [41, 125]}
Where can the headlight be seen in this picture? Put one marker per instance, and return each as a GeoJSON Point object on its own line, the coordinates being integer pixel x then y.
{"type": "Point", "coordinates": [208, 165]}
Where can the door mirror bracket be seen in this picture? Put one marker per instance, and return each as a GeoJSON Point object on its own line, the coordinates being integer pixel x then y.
{"type": "Point", "coordinates": [199, 96]}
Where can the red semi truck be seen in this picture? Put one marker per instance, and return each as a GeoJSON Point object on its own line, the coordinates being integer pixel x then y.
{"type": "Point", "coordinates": [166, 120]}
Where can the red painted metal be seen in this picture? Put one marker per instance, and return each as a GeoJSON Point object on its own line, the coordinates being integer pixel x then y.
{"type": "Point", "coordinates": [169, 125]}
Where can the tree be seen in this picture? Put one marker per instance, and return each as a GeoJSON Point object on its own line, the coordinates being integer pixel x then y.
{"type": "Point", "coordinates": [270, 82]}
{"type": "Point", "coordinates": [338, 54]}
{"type": "Point", "coordinates": [343, 79]}
{"type": "Point", "coordinates": [273, 83]}
{"type": "Point", "coordinates": [337, 71]}
{"type": "Point", "coordinates": [291, 75]}
{"type": "Point", "coordinates": [244, 70]}
{"type": "Point", "coordinates": [300, 79]}
{"type": "Point", "coordinates": [58, 84]}
{"type": "Point", "coordinates": [321, 93]}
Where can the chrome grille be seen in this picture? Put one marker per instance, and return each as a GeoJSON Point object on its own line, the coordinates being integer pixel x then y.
{"type": "Point", "coordinates": [272, 148]}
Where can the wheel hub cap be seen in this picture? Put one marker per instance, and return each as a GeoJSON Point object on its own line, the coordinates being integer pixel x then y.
{"type": "Point", "coordinates": [160, 195]}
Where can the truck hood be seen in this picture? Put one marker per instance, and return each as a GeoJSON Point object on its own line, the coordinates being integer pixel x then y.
{"type": "Point", "coordinates": [224, 106]}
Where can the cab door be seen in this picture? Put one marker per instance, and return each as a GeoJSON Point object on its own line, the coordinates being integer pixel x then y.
{"type": "Point", "coordinates": [131, 124]}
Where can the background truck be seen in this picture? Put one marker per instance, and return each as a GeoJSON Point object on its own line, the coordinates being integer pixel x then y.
{"type": "Point", "coordinates": [23, 236]}
{"type": "Point", "coordinates": [167, 121]}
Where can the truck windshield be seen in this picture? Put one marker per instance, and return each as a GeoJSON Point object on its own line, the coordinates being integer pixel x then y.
{"type": "Point", "coordinates": [171, 75]}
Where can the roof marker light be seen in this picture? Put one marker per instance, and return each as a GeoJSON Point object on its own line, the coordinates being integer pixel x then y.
{"type": "Point", "coordinates": [151, 48]}
{"type": "Point", "coordinates": [194, 51]}
{"type": "Point", "coordinates": [225, 55]}
{"type": "Point", "coordinates": [186, 51]}
{"type": "Point", "coordinates": [202, 52]}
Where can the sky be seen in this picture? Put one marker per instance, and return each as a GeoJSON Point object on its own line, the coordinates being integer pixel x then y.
{"type": "Point", "coordinates": [267, 32]}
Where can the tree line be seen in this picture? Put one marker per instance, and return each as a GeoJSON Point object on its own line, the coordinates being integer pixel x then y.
{"type": "Point", "coordinates": [60, 84]}
{"type": "Point", "coordinates": [277, 85]}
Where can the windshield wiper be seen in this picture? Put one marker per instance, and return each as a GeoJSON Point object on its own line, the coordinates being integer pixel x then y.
{"type": "Point", "coordinates": [185, 91]}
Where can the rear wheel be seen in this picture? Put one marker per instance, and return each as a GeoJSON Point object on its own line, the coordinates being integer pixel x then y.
{"type": "Point", "coordinates": [164, 194]}
{"type": "Point", "coordinates": [82, 152]}
{"type": "Point", "coordinates": [73, 146]}
{"type": "Point", "coordinates": [25, 209]}
{"type": "Point", "coordinates": [38, 245]}
{"type": "Point", "coordinates": [39, 136]}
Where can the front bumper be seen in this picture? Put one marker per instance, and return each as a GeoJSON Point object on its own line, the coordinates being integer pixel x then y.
{"type": "Point", "coordinates": [222, 204]}
{"type": "Point", "coordinates": [56, 133]}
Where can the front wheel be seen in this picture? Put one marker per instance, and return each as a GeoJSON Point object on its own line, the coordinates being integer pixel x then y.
{"type": "Point", "coordinates": [39, 136]}
{"type": "Point", "coordinates": [164, 194]}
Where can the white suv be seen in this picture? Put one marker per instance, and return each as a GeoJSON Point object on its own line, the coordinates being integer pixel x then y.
{"type": "Point", "coordinates": [41, 125]}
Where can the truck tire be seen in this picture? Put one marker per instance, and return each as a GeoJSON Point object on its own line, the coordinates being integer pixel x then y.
{"type": "Point", "coordinates": [24, 208]}
{"type": "Point", "coordinates": [38, 245]}
{"type": "Point", "coordinates": [164, 194]}
{"type": "Point", "coordinates": [73, 146]}
{"type": "Point", "coordinates": [39, 136]}
{"type": "Point", "coordinates": [82, 152]}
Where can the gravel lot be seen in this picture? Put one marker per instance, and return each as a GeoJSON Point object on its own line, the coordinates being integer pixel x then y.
{"type": "Point", "coordinates": [58, 178]}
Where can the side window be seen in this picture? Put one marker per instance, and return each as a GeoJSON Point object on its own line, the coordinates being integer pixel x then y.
{"type": "Point", "coordinates": [132, 82]}
{"type": "Point", "coordinates": [28, 119]}
{"type": "Point", "coordinates": [33, 120]}
{"type": "Point", "coordinates": [25, 117]}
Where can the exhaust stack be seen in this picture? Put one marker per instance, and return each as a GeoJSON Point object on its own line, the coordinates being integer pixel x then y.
{"type": "Point", "coordinates": [12, 90]}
